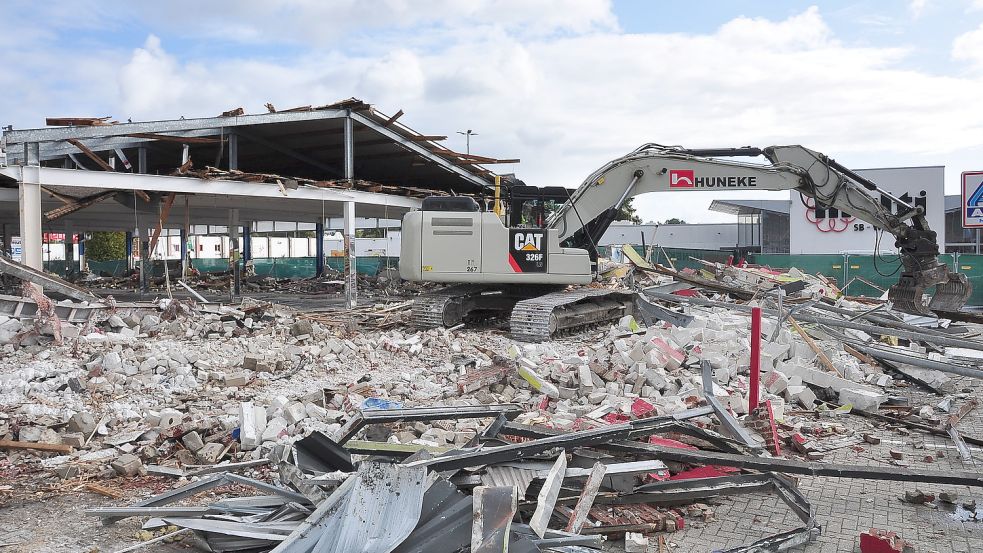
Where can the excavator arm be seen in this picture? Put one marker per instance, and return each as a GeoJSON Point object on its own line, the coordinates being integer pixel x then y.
{"type": "Point", "coordinates": [582, 220]}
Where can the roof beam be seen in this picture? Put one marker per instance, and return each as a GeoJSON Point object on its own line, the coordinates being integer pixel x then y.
{"type": "Point", "coordinates": [123, 129]}
{"type": "Point", "coordinates": [127, 182]}
{"type": "Point", "coordinates": [425, 152]}
{"type": "Point", "coordinates": [90, 154]}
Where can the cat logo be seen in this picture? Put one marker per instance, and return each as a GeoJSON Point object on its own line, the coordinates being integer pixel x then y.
{"type": "Point", "coordinates": [528, 241]}
{"type": "Point", "coordinates": [527, 250]}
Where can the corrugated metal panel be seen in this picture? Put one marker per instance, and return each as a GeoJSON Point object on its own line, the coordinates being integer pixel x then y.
{"type": "Point", "coordinates": [509, 476]}
{"type": "Point", "coordinates": [375, 513]}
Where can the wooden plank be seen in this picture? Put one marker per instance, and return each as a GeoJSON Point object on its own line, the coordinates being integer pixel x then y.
{"type": "Point", "coordinates": [60, 197]}
{"type": "Point", "coordinates": [165, 210]}
{"type": "Point", "coordinates": [393, 119]}
{"type": "Point", "coordinates": [11, 444]}
{"type": "Point", "coordinates": [77, 121]}
{"type": "Point", "coordinates": [81, 203]}
{"type": "Point", "coordinates": [863, 357]}
{"type": "Point", "coordinates": [425, 137]}
{"type": "Point", "coordinates": [90, 154]}
{"type": "Point", "coordinates": [812, 345]}
{"type": "Point", "coordinates": [587, 496]}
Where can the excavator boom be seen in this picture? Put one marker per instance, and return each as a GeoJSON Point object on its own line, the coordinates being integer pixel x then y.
{"type": "Point", "coordinates": [654, 168]}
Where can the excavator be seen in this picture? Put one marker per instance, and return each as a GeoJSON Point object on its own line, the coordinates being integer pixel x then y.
{"type": "Point", "coordinates": [523, 260]}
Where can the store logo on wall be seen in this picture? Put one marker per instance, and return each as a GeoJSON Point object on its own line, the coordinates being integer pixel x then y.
{"type": "Point", "coordinates": [831, 219]}
{"type": "Point", "coordinates": [827, 219]}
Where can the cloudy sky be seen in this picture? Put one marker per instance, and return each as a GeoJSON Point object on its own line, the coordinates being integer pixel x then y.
{"type": "Point", "coordinates": [563, 85]}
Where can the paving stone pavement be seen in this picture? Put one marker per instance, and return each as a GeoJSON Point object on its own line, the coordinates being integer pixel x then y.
{"type": "Point", "coordinates": [847, 507]}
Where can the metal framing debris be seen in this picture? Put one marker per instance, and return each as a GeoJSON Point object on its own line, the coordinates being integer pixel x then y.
{"type": "Point", "coordinates": [379, 416]}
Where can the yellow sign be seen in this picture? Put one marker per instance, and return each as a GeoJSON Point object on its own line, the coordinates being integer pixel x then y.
{"type": "Point", "coordinates": [427, 268]}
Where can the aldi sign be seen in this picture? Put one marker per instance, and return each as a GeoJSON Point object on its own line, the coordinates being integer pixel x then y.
{"type": "Point", "coordinates": [972, 206]}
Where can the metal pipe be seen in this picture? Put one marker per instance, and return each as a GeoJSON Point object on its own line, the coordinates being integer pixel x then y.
{"type": "Point", "coordinates": [918, 361]}
{"type": "Point", "coordinates": [870, 329]}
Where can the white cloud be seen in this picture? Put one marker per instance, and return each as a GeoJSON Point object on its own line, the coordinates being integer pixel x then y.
{"type": "Point", "coordinates": [566, 102]}
{"type": "Point", "coordinates": [969, 47]}
{"type": "Point", "coordinates": [917, 7]}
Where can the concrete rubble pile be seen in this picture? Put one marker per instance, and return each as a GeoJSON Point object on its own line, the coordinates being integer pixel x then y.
{"type": "Point", "coordinates": [628, 432]}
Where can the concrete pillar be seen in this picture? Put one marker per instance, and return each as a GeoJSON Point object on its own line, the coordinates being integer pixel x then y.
{"type": "Point", "coordinates": [349, 148]}
{"type": "Point", "coordinates": [30, 217]}
{"type": "Point", "coordinates": [233, 151]}
{"type": "Point", "coordinates": [319, 249]}
{"type": "Point", "coordinates": [351, 282]}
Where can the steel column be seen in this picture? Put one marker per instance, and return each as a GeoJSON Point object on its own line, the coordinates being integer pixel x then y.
{"type": "Point", "coordinates": [319, 249]}
{"type": "Point", "coordinates": [233, 151]}
{"type": "Point", "coordinates": [349, 148]}
{"type": "Point", "coordinates": [69, 249]}
{"type": "Point", "coordinates": [234, 254]}
{"type": "Point", "coordinates": [351, 282]}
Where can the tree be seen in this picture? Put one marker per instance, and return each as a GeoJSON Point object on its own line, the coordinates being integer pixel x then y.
{"type": "Point", "coordinates": [106, 246]}
{"type": "Point", "coordinates": [674, 221]}
{"type": "Point", "coordinates": [628, 213]}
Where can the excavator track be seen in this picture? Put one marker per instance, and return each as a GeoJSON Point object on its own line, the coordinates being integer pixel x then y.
{"type": "Point", "coordinates": [442, 307]}
{"type": "Point", "coordinates": [544, 317]}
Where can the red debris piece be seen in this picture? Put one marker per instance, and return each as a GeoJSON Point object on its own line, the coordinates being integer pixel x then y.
{"type": "Point", "coordinates": [686, 292]}
{"type": "Point", "coordinates": [666, 442]}
{"type": "Point", "coordinates": [882, 541]}
{"type": "Point", "coordinates": [616, 418]}
{"type": "Point", "coordinates": [709, 471]}
{"type": "Point", "coordinates": [641, 408]}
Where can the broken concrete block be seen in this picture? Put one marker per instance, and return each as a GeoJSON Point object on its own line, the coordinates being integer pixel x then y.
{"type": "Point", "coordinates": [112, 361]}
{"type": "Point", "coordinates": [249, 434]}
{"type": "Point", "coordinates": [819, 378]}
{"type": "Point", "coordinates": [801, 395]}
{"type": "Point", "coordinates": [775, 382]}
{"type": "Point", "coordinates": [274, 429]}
{"type": "Point", "coordinates": [237, 379]}
{"type": "Point", "coordinates": [210, 453]}
{"type": "Point", "coordinates": [301, 327]}
{"type": "Point", "coordinates": [74, 439]}
{"type": "Point", "coordinates": [82, 422]}
{"type": "Point", "coordinates": [192, 441]}
{"type": "Point", "coordinates": [294, 412]}
{"type": "Point", "coordinates": [250, 360]}
{"type": "Point", "coordinates": [636, 543]}
{"type": "Point", "coordinates": [538, 382]}
{"type": "Point", "coordinates": [862, 399]}
{"type": "Point", "coordinates": [127, 465]}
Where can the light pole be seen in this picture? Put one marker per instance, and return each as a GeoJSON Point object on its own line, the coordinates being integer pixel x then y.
{"type": "Point", "coordinates": [467, 139]}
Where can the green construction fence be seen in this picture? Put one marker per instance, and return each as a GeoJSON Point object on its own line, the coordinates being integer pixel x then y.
{"type": "Point", "coordinates": [280, 267]}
